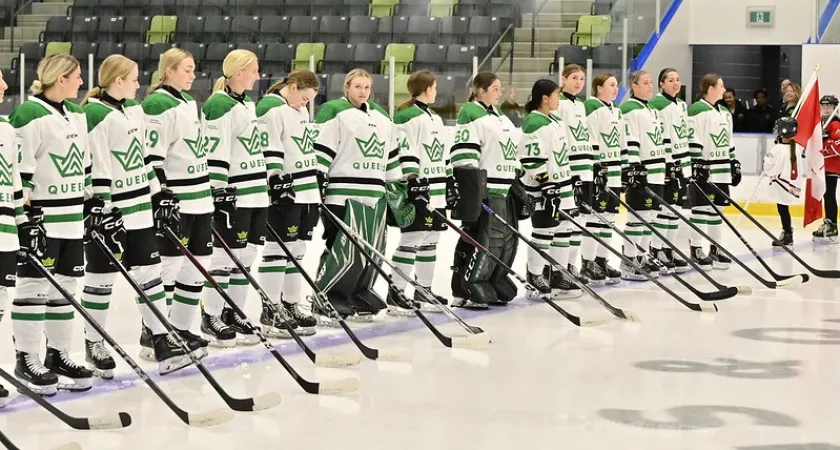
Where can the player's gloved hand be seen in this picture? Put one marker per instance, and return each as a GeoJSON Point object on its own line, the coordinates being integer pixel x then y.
{"type": "Point", "coordinates": [634, 176]}
{"type": "Point", "coordinates": [323, 182]}
{"type": "Point", "coordinates": [32, 237]}
{"type": "Point", "coordinates": [418, 190]}
{"type": "Point", "coordinates": [107, 223]}
{"type": "Point", "coordinates": [735, 167]}
{"type": "Point", "coordinates": [224, 202]}
{"type": "Point", "coordinates": [577, 189]}
{"type": "Point", "coordinates": [453, 194]}
{"type": "Point", "coordinates": [552, 198]}
{"type": "Point", "coordinates": [699, 171]}
{"type": "Point", "coordinates": [281, 189]}
{"type": "Point", "coordinates": [167, 212]}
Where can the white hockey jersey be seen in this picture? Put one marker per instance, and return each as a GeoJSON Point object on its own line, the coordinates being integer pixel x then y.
{"type": "Point", "coordinates": [11, 191]}
{"type": "Point", "coordinates": [120, 173]}
{"type": "Point", "coordinates": [54, 163]}
{"type": "Point", "coordinates": [176, 148]}
{"type": "Point", "coordinates": [544, 149]}
{"type": "Point", "coordinates": [235, 157]}
{"type": "Point", "coordinates": [424, 149]}
{"type": "Point", "coordinates": [486, 138]}
{"type": "Point", "coordinates": [711, 139]}
{"type": "Point", "coordinates": [573, 113]}
{"type": "Point", "coordinates": [783, 166]}
{"type": "Point", "coordinates": [609, 137]}
{"type": "Point", "coordinates": [644, 138]}
{"type": "Point", "coordinates": [357, 148]}
{"type": "Point", "coordinates": [674, 114]}
{"type": "Point", "coordinates": [290, 146]}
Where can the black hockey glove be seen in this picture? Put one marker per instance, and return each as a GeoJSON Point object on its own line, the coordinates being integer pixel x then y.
{"type": "Point", "coordinates": [673, 172]}
{"type": "Point", "coordinates": [523, 203]}
{"type": "Point", "coordinates": [699, 171]}
{"type": "Point", "coordinates": [453, 195]}
{"type": "Point", "coordinates": [323, 182]}
{"type": "Point", "coordinates": [551, 194]}
{"type": "Point", "coordinates": [224, 202]}
{"type": "Point", "coordinates": [735, 167]}
{"type": "Point", "coordinates": [106, 222]}
{"type": "Point", "coordinates": [577, 189]}
{"type": "Point", "coordinates": [599, 174]}
{"type": "Point", "coordinates": [418, 190]}
{"type": "Point", "coordinates": [281, 189]}
{"type": "Point", "coordinates": [634, 176]}
{"type": "Point", "coordinates": [167, 212]}
{"type": "Point", "coordinates": [32, 237]}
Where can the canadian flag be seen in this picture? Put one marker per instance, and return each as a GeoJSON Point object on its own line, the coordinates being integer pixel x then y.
{"type": "Point", "coordinates": [809, 136]}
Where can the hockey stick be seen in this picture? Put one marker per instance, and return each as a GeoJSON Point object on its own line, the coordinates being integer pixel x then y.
{"type": "Point", "coordinates": [11, 445]}
{"type": "Point", "coordinates": [394, 354]}
{"type": "Point", "coordinates": [617, 312]}
{"type": "Point", "coordinates": [755, 191]}
{"type": "Point", "coordinates": [324, 360]}
{"type": "Point", "coordinates": [723, 293]}
{"type": "Point", "coordinates": [576, 320]}
{"type": "Point", "coordinates": [626, 260]}
{"type": "Point", "coordinates": [822, 273]}
{"type": "Point", "coordinates": [106, 422]}
{"type": "Point", "coordinates": [360, 244]}
{"type": "Point", "coordinates": [324, 387]}
{"type": "Point", "coordinates": [767, 283]}
{"type": "Point", "coordinates": [203, 419]}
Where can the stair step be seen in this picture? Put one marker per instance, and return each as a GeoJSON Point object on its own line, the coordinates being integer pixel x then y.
{"type": "Point", "coordinates": [526, 64]}
{"type": "Point", "coordinates": [581, 7]}
{"type": "Point", "coordinates": [552, 20]}
{"type": "Point", "coordinates": [51, 8]}
{"type": "Point", "coordinates": [542, 47]}
{"type": "Point", "coordinates": [555, 35]}
{"type": "Point", "coordinates": [6, 45]}
{"type": "Point", "coordinates": [523, 78]}
{"type": "Point", "coordinates": [35, 18]}
{"type": "Point", "coordinates": [23, 33]}
{"type": "Point", "coordinates": [524, 51]}
{"type": "Point", "coordinates": [6, 58]}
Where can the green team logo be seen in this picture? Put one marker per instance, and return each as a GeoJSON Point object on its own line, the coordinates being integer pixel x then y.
{"type": "Point", "coordinates": [430, 221]}
{"type": "Point", "coordinates": [603, 204]}
{"type": "Point", "coordinates": [580, 132]}
{"type": "Point", "coordinates": [562, 157]}
{"type": "Point", "coordinates": [720, 140]}
{"type": "Point", "coordinates": [196, 147]}
{"type": "Point", "coordinates": [253, 144]}
{"type": "Point", "coordinates": [48, 262]}
{"type": "Point", "coordinates": [306, 144]}
{"type": "Point", "coordinates": [5, 172]}
{"type": "Point", "coordinates": [131, 159]}
{"type": "Point", "coordinates": [508, 150]}
{"type": "Point", "coordinates": [682, 131]}
{"type": "Point", "coordinates": [649, 202]}
{"type": "Point", "coordinates": [434, 151]}
{"type": "Point", "coordinates": [371, 148]}
{"type": "Point", "coordinates": [71, 165]}
{"type": "Point", "coordinates": [612, 140]}
{"type": "Point", "coordinates": [656, 137]}
{"type": "Point", "coordinates": [242, 235]}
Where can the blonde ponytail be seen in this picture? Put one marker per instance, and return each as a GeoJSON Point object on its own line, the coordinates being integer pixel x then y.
{"type": "Point", "coordinates": [235, 61]}
{"type": "Point", "coordinates": [114, 66]}
{"type": "Point", "coordinates": [168, 60]}
{"type": "Point", "coordinates": [50, 69]}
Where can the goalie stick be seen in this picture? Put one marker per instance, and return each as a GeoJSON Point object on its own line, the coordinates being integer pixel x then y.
{"type": "Point", "coordinates": [324, 387]}
{"type": "Point", "coordinates": [204, 419]}
{"type": "Point", "coordinates": [393, 354]}
{"type": "Point", "coordinates": [617, 312]}
{"type": "Point", "coordinates": [360, 244]}
{"type": "Point", "coordinates": [576, 320]}
{"type": "Point", "coordinates": [822, 273]}
{"type": "Point", "coordinates": [324, 359]}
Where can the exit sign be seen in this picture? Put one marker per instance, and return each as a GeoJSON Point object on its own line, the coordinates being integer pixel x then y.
{"type": "Point", "coordinates": [761, 16]}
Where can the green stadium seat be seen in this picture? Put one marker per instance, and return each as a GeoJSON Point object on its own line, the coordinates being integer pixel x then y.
{"type": "Point", "coordinates": [403, 57]}
{"type": "Point", "coordinates": [382, 8]}
{"type": "Point", "coordinates": [442, 8]}
{"type": "Point", "coordinates": [591, 30]}
{"type": "Point", "coordinates": [160, 29]}
{"type": "Point", "coordinates": [304, 51]}
{"type": "Point", "coordinates": [57, 48]}
{"type": "Point", "coordinates": [401, 94]}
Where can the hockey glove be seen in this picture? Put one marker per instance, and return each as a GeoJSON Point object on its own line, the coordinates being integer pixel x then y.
{"type": "Point", "coordinates": [599, 173]}
{"type": "Point", "coordinates": [402, 211]}
{"type": "Point", "coordinates": [323, 182]}
{"type": "Point", "coordinates": [32, 237]}
{"type": "Point", "coordinates": [167, 212]}
{"type": "Point", "coordinates": [224, 202]}
{"type": "Point", "coordinates": [699, 171]}
{"type": "Point", "coordinates": [418, 190]}
{"type": "Point", "coordinates": [577, 190]}
{"type": "Point", "coordinates": [106, 222]}
{"type": "Point", "coordinates": [634, 176]}
{"type": "Point", "coordinates": [281, 189]}
{"type": "Point", "coordinates": [523, 203]}
{"type": "Point", "coordinates": [735, 167]}
{"type": "Point", "coordinates": [453, 195]}
{"type": "Point", "coordinates": [552, 198]}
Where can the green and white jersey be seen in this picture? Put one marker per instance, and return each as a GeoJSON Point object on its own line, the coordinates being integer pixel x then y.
{"type": "Point", "coordinates": [290, 149]}
{"type": "Point", "coordinates": [54, 163]}
{"type": "Point", "coordinates": [176, 148]}
{"type": "Point", "coordinates": [119, 170]}
{"type": "Point", "coordinates": [609, 137]}
{"type": "Point", "coordinates": [644, 138]}
{"type": "Point", "coordinates": [357, 148]}
{"type": "Point", "coordinates": [674, 114]}
{"type": "Point", "coordinates": [711, 139]}
{"type": "Point", "coordinates": [424, 149]}
{"type": "Point", "coordinates": [11, 190]}
{"type": "Point", "coordinates": [235, 153]}
{"type": "Point", "coordinates": [486, 138]}
{"type": "Point", "coordinates": [573, 113]}
{"type": "Point", "coordinates": [544, 149]}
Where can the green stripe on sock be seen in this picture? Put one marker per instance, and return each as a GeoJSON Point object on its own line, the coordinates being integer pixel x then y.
{"type": "Point", "coordinates": [156, 297]}
{"type": "Point", "coordinates": [59, 316]}
{"type": "Point", "coordinates": [271, 269]}
{"type": "Point", "coordinates": [222, 285]}
{"type": "Point", "coordinates": [185, 300]}
{"type": "Point", "coordinates": [401, 260]}
{"type": "Point", "coordinates": [97, 306]}
{"type": "Point", "coordinates": [426, 259]}
{"type": "Point", "coordinates": [238, 282]}
{"type": "Point", "coordinates": [27, 316]}
{"type": "Point", "coordinates": [292, 270]}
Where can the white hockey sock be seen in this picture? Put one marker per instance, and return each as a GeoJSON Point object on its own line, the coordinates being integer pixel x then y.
{"type": "Point", "coordinates": [220, 268]}
{"type": "Point", "coordinates": [291, 285]}
{"type": "Point", "coordinates": [405, 256]}
{"type": "Point", "coordinates": [58, 317]}
{"type": "Point", "coordinates": [171, 267]}
{"type": "Point", "coordinates": [272, 271]}
{"type": "Point", "coordinates": [574, 248]}
{"type": "Point", "coordinates": [663, 224]}
{"type": "Point", "coordinates": [239, 285]}
{"type": "Point", "coordinates": [543, 238]}
{"type": "Point", "coordinates": [700, 216]}
{"type": "Point", "coordinates": [96, 299]}
{"type": "Point", "coordinates": [606, 234]}
{"type": "Point", "coordinates": [590, 245]}
{"type": "Point", "coordinates": [634, 231]}
{"type": "Point", "coordinates": [673, 232]}
{"type": "Point", "coordinates": [187, 294]}
{"type": "Point", "coordinates": [153, 290]}
{"type": "Point", "coordinates": [426, 259]}
{"type": "Point", "coordinates": [561, 247]}
{"type": "Point", "coordinates": [715, 227]}
{"type": "Point", "coordinates": [28, 314]}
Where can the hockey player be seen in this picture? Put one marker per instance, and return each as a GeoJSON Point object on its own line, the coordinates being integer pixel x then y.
{"type": "Point", "coordinates": [294, 192]}
{"type": "Point", "coordinates": [177, 152]}
{"type": "Point", "coordinates": [827, 232]}
{"type": "Point", "coordinates": [122, 179]}
{"type": "Point", "coordinates": [424, 156]}
{"type": "Point", "coordinates": [485, 139]}
{"type": "Point", "coordinates": [240, 194]}
{"type": "Point", "coordinates": [356, 147]}
{"type": "Point", "coordinates": [782, 166]}
{"type": "Point", "coordinates": [713, 161]}
{"type": "Point", "coordinates": [544, 154]}
{"type": "Point", "coordinates": [610, 144]}
{"type": "Point", "coordinates": [51, 136]}
{"type": "Point", "coordinates": [573, 114]}
{"type": "Point", "coordinates": [646, 166]}
{"type": "Point", "coordinates": [674, 114]}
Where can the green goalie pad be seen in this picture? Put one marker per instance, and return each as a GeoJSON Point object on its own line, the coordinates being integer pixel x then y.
{"type": "Point", "coordinates": [401, 212]}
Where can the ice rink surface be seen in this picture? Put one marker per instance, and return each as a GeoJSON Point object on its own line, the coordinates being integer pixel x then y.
{"type": "Point", "coordinates": [761, 374]}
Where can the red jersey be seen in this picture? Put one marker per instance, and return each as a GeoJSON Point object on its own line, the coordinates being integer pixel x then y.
{"type": "Point", "coordinates": [831, 146]}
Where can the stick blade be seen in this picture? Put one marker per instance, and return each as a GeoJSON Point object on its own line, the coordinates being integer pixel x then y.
{"type": "Point", "coordinates": [471, 341]}
{"type": "Point", "coordinates": [744, 290]}
{"type": "Point", "coordinates": [334, 387]}
{"type": "Point", "coordinates": [68, 446]}
{"type": "Point", "coordinates": [210, 418]}
{"type": "Point", "coordinates": [109, 421]}
{"type": "Point", "coordinates": [630, 315]}
{"type": "Point", "coordinates": [595, 321]}
{"type": "Point", "coordinates": [397, 354]}
{"type": "Point", "coordinates": [267, 401]}
{"type": "Point", "coordinates": [722, 294]}
{"type": "Point", "coordinates": [337, 360]}
{"type": "Point", "coordinates": [792, 281]}
{"type": "Point", "coordinates": [708, 308]}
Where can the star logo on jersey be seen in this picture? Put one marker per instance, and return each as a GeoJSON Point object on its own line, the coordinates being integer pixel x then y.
{"type": "Point", "coordinates": [306, 144]}
{"type": "Point", "coordinates": [131, 159]}
{"type": "Point", "coordinates": [5, 172]}
{"type": "Point", "coordinates": [720, 140]}
{"type": "Point", "coordinates": [70, 165]}
{"type": "Point", "coordinates": [562, 157]}
{"type": "Point", "coordinates": [682, 131]}
{"type": "Point", "coordinates": [612, 140]}
{"type": "Point", "coordinates": [434, 151]}
{"type": "Point", "coordinates": [48, 262]}
{"type": "Point", "coordinates": [200, 151]}
{"type": "Point", "coordinates": [371, 148]}
{"type": "Point", "coordinates": [656, 137]}
{"type": "Point", "coordinates": [252, 144]}
{"type": "Point", "coordinates": [580, 132]}
{"type": "Point", "coordinates": [508, 150]}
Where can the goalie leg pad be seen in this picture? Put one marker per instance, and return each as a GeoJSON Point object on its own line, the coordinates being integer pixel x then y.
{"type": "Point", "coordinates": [472, 187]}
{"type": "Point", "coordinates": [493, 236]}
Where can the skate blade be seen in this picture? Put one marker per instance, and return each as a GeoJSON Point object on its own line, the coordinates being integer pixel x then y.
{"type": "Point", "coordinates": [337, 360]}
{"type": "Point", "coordinates": [247, 339]}
{"type": "Point", "coordinates": [229, 343]}
{"type": "Point", "coordinates": [109, 421]}
{"type": "Point", "coordinates": [429, 308]}
{"type": "Point", "coordinates": [105, 374]}
{"type": "Point", "coordinates": [566, 295]}
{"type": "Point", "coordinates": [471, 341]}
{"type": "Point", "coordinates": [267, 401]}
{"type": "Point", "coordinates": [824, 240]}
{"type": "Point", "coordinates": [366, 318]}
{"type": "Point", "coordinates": [276, 333]}
{"type": "Point", "coordinates": [596, 283]}
{"type": "Point", "coordinates": [174, 364]}
{"type": "Point", "coordinates": [306, 331]}
{"type": "Point", "coordinates": [210, 418]}
{"type": "Point", "coordinates": [398, 312]}
{"type": "Point", "coordinates": [147, 354]}
{"type": "Point", "coordinates": [44, 391]}
{"type": "Point", "coordinates": [721, 266]}
{"type": "Point", "coordinates": [74, 384]}
{"type": "Point", "coordinates": [396, 354]}
{"type": "Point", "coordinates": [637, 278]}
{"type": "Point", "coordinates": [613, 281]}
{"type": "Point", "coordinates": [334, 387]}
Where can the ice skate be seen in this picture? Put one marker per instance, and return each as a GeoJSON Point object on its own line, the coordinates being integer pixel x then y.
{"type": "Point", "coordinates": [468, 303]}
{"type": "Point", "coordinates": [398, 304]}
{"type": "Point", "coordinates": [196, 343]}
{"type": "Point", "coordinates": [680, 266]}
{"type": "Point", "coordinates": [4, 396]}
{"type": "Point", "coordinates": [538, 282]}
{"type": "Point", "coordinates": [699, 257]}
{"type": "Point", "coordinates": [32, 373]}
{"type": "Point", "coordinates": [613, 275]}
{"type": "Point", "coordinates": [575, 273]}
{"type": "Point", "coordinates": [324, 318]}
{"type": "Point", "coordinates": [147, 346]}
{"type": "Point", "coordinates": [169, 355]}
{"type": "Point", "coordinates": [665, 259]}
{"type": "Point", "coordinates": [650, 267]}
{"type": "Point", "coordinates": [719, 260]}
{"type": "Point", "coordinates": [562, 288]}
{"type": "Point", "coordinates": [244, 334]}
{"type": "Point", "coordinates": [630, 272]}
{"type": "Point", "coordinates": [594, 273]}
{"type": "Point", "coordinates": [425, 305]}
{"type": "Point", "coordinates": [77, 377]}
{"type": "Point", "coordinates": [274, 325]}
{"type": "Point", "coordinates": [306, 323]}
{"type": "Point", "coordinates": [217, 331]}
{"type": "Point", "coordinates": [100, 360]}
{"type": "Point", "coordinates": [785, 239]}
{"type": "Point", "coordinates": [826, 233]}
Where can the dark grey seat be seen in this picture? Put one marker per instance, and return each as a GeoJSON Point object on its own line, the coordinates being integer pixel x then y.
{"type": "Point", "coordinates": [362, 29]}
{"type": "Point", "coordinates": [412, 8]}
{"type": "Point", "coordinates": [217, 8]}
{"type": "Point", "coordinates": [244, 29]}
{"type": "Point", "coordinates": [296, 8]}
{"type": "Point", "coordinates": [138, 52]}
{"type": "Point", "coordinates": [471, 8]}
{"type": "Point", "coordinates": [110, 28]}
{"type": "Point", "coordinates": [135, 28]}
{"type": "Point", "coordinates": [354, 7]}
{"type": "Point", "coordinates": [459, 59]}
{"type": "Point", "coordinates": [302, 29]}
{"type": "Point", "coordinates": [273, 29]}
{"type": "Point", "coordinates": [572, 54]}
{"type": "Point", "coordinates": [58, 29]}
{"type": "Point", "coordinates": [216, 29]}
{"type": "Point", "coordinates": [267, 8]}
{"type": "Point", "coordinates": [333, 29]}
{"type": "Point", "coordinates": [188, 29]}
{"type": "Point", "coordinates": [453, 30]}
{"type": "Point", "coordinates": [278, 57]}
{"type": "Point", "coordinates": [187, 8]}
{"type": "Point", "coordinates": [337, 57]}
{"type": "Point", "coordinates": [85, 28]}
{"type": "Point", "coordinates": [257, 49]}
{"type": "Point", "coordinates": [327, 8]}
{"type": "Point", "coordinates": [392, 29]}
{"type": "Point", "coordinates": [421, 29]}
{"type": "Point", "coordinates": [429, 56]}
{"type": "Point", "coordinates": [107, 49]}
{"type": "Point", "coordinates": [369, 57]}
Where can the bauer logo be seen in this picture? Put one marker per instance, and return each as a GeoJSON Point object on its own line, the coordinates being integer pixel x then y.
{"type": "Point", "coordinates": [5, 172]}
{"type": "Point", "coordinates": [508, 150]}
{"type": "Point", "coordinates": [70, 165]}
{"type": "Point", "coordinates": [131, 159]}
{"type": "Point", "coordinates": [611, 140]}
{"type": "Point", "coordinates": [720, 140]}
{"type": "Point", "coordinates": [307, 142]}
{"type": "Point", "coordinates": [371, 148]}
{"type": "Point", "coordinates": [434, 151]}
{"type": "Point", "coordinates": [580, 132]}
{"type": "Point", "coordinates": [254, 144]}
